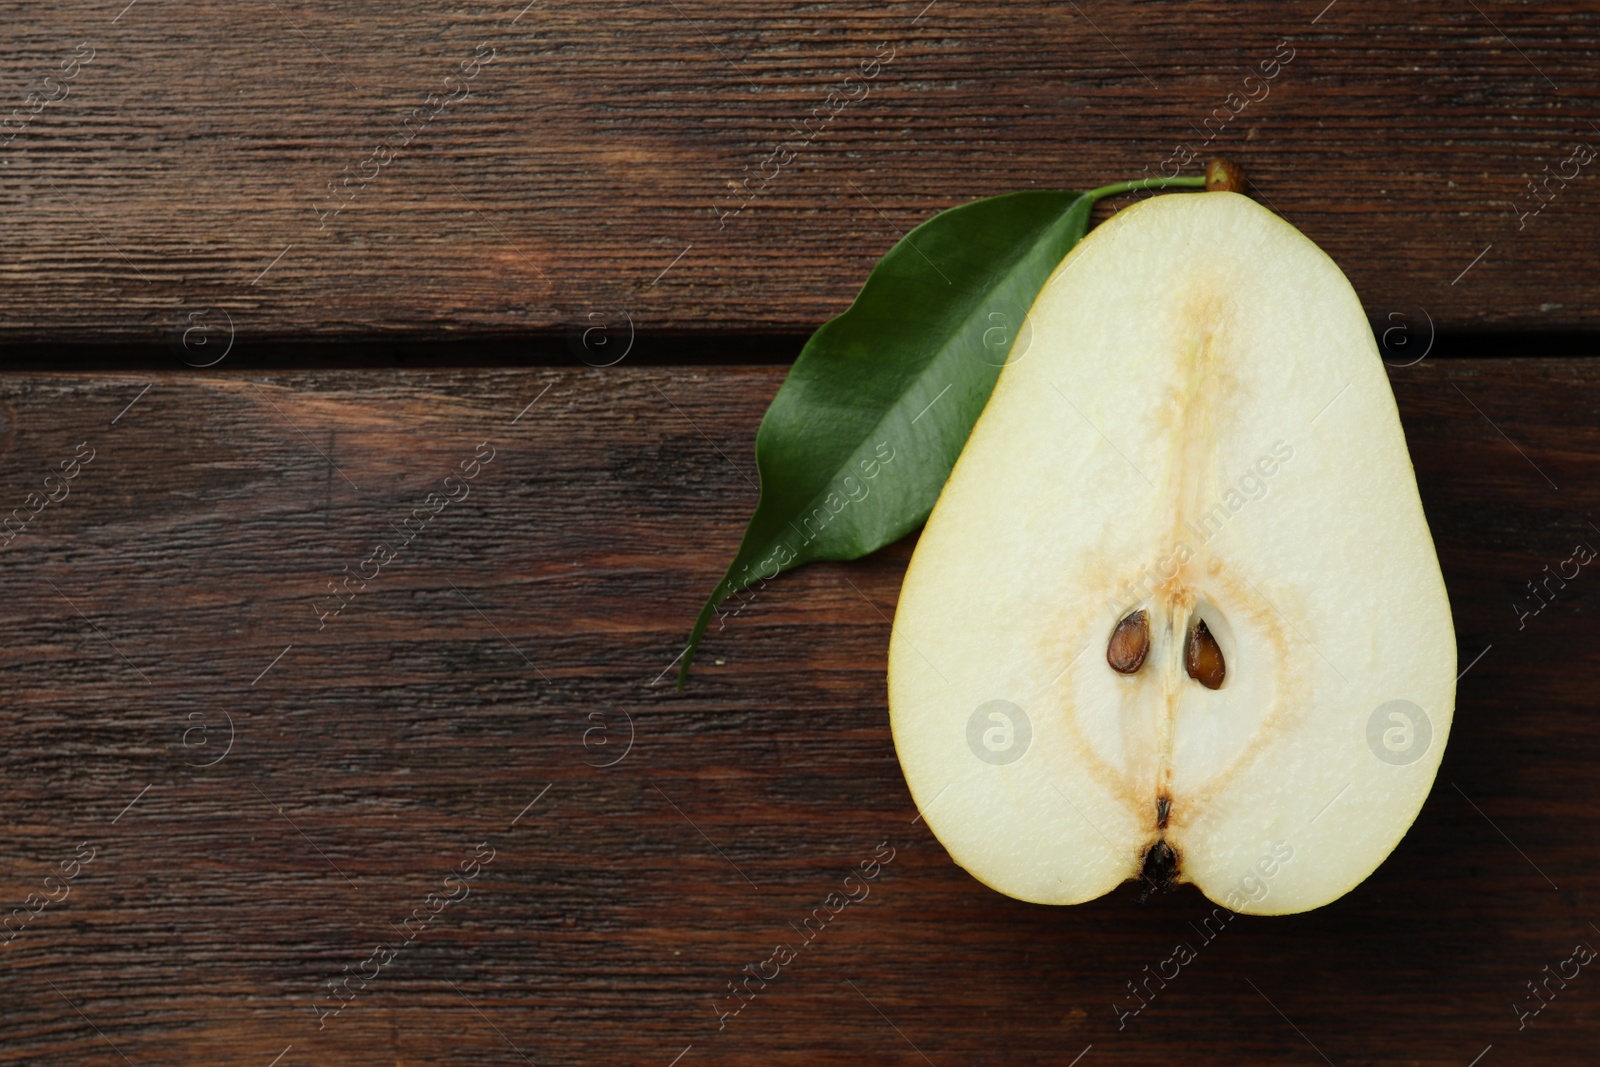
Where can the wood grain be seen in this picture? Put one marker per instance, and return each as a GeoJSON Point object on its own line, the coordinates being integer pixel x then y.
{"type": "Point", "coordinates": [174, 590]}
{"type": "Point", "coordinates": [180, 179]}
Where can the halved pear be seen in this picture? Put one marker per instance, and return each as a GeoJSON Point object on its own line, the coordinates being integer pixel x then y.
{"type": "Point", "coordinates": [1200, 430]}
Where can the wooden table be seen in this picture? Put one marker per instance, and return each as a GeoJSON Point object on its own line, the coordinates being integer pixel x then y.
{"type": "Point", "coordinates": [454, 811]}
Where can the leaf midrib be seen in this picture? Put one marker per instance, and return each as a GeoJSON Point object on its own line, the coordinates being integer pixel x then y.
{"type": "Point", "coordinates": [933, 363]}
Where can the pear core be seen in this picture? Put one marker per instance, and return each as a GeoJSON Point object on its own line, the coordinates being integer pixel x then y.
{"type": "Point", "coordinates": [1199, 435]}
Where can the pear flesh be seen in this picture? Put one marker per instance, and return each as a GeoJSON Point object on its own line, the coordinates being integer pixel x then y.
{"type": "Point", "coordinates": [1194, 425]}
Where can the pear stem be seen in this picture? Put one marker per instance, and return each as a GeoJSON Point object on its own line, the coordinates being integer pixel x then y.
{"type": "Point", "coordinates": [1197, 182]}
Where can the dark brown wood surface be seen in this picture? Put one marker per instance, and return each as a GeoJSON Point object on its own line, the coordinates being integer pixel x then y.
{"type": "Point", "coordinates": [236, 870]}
{"type": "Point", "coordinates": [167, 161]}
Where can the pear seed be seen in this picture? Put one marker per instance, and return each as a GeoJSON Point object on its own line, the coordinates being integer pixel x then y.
{"type": "Point", "coordinates": [1130, 643]}
{"type": "Point", "coordinates": [1205, 657]}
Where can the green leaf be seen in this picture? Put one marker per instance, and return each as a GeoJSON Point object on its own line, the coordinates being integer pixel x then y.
{"type": "Point", "coordinates": [862, 435]}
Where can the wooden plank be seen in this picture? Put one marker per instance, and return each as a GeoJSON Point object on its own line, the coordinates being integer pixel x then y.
{"type": "Point", "coordinates": [251, 798]}
{"type": "Point", "coordinates": [178, 182]}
